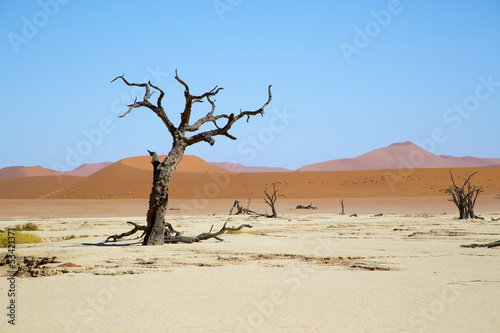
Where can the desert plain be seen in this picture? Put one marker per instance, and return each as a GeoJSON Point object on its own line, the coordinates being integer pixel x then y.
{"type": "Point", "coordinates": [397, 266]}
{"type": "Point", "coordinates": [307, 271]}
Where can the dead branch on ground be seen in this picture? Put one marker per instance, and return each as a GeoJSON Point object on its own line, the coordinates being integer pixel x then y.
{"type": "Point", "coordinates": [173, 236]}
{"type": "Point", "coordinates": [310, 206]}
{"type": "Point", "coordinates": [128, 233]}
{"type": "Point", "coordinates": [240, 210]}
{"type": "Point", "coordinates": [488, 245]}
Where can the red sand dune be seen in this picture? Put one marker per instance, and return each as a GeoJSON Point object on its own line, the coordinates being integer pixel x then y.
{"type": "Point", "coordinates": [198, 180]}
{"type": "Point", "coordinates": [131, 178]}
{"type": "Point", "coordinates": [122, 181]}
{"type": "Point", "coordinates": [400, 155]}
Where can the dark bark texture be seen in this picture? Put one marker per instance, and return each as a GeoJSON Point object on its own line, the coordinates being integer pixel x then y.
{"type": "Point", "coordinates": [163, 170]}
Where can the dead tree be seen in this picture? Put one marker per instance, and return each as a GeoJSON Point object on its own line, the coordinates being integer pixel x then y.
{"type": "Point", "coordinates": [464, 197]}
{"type": "Point", "coordinates": [163, 170]}
{"type": "Point", "coordinates": [342, 204]}
{"type": "Point", "coordinates": [270, 199]}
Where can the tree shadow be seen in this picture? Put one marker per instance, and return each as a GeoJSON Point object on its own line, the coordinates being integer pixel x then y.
{"type": "Point", "coordinates": [112, 244]}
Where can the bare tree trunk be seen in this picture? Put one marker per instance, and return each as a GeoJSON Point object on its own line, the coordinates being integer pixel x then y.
{"type": "Point", "coordinates": [158, 199]}
{"type": "Point", "coordinates": [342, 204]}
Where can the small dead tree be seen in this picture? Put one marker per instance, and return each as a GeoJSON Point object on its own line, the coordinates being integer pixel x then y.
{"type": "Point", "coordinates": [342, 204]}
{"type": "Point", "coordinates": [270, 199]}
{"type": "Point", "coordinates": [163, 170]}
{"type": "Point", "coordinates": [464, 197]}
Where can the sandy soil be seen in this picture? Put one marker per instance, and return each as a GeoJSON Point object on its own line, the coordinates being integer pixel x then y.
{"type": "Point", "coordinates": [304, 272]}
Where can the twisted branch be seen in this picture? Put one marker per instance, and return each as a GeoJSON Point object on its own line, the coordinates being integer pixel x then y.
{"type": "Point", "coordinates": [146, 103]}
{"type": "Point", "coordinates": [231, 119]}
{"type": "Point", "coordinates": [174, 236]}
{"type": "Point", "coordinates": [128, 233]}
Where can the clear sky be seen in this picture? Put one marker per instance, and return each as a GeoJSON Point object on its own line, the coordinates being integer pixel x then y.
{"type": "Point", "coordinates": [348, 77]}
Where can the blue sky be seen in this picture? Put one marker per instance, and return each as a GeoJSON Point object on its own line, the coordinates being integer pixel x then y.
{"type": "Point", "coordinates": [348, 77]}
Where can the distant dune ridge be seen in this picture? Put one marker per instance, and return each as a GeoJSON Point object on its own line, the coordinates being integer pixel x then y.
{"type": "Point", "coordinates": [21, 171]}
{"type": "Point", "coordinates": [83, 170]}
{"type": "Point", "coordinates": [189, 163]}
{"type": "Point", "coordinates": [86, 170]}
{"type": "Point", "coordinates": [380, 173]}
{"type": "Point", "coordinates": [400, 155]}
{"type": "Point", "coordinates": [237, 167]}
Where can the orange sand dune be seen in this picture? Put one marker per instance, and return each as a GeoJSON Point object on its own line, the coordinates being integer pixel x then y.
{"type": "Point", "coordinates": [20, 171]}
{"type": "Point", "coordinates": [238, 167]}
{"type": "Point", "coordinates": [189, 163]}
{"type": "Point", "coordinates": [85, 170]}
{"type": "Point", "coordinates": [123, 181]}
{"type": "Point", "coordinates": [33, 187]}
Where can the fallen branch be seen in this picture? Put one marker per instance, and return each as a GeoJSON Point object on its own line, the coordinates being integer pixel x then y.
{"type": "Point", "coordinates": [174, 236]}
{"type": "Point", "coordinates": [489, 245]}
{"type": "Point", "coordinates": [128, 233]}
{"type": "Point", "coordinates": [495, 219]}
{"type": "Point", "coordinates": [310, 206]}
{"type": "Point", "coordinates": [244, 211]}
{"type": "Point", "coordinates": [203, 236]}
